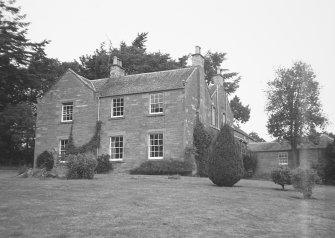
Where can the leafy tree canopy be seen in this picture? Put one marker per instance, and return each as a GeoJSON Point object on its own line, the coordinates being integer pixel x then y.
{"type": "Point", "coordinates": [293, 104]}
{"type": "Point", "coordinates": [16, 53]}
{"type": "Point", "coordinates": [241, 113]}
{"type": "Point", "coordinates": [256, 137]}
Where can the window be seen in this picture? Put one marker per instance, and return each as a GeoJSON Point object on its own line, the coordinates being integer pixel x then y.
{"type": "Point", "coordinates": [213, 110]}
{"type": "Point", "coordinates": [62, 147]}
{"type": "Point", "coordinates": [117, 107]}
{"type": "Point", "coordinates": [156, 146]}
{"type": "Point", "coordinates": [283, 158]}
{"type": "Point", "coordinates": [156, 103]}
{"type": "Point", "coordinates": [223, 119]}
{"type": "Point", "coordinates": [116, 148]}
{"type": "Point", "coordinates": [67, 112]}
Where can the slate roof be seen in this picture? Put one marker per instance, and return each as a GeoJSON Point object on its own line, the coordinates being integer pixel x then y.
{"type": "Point", "coordinates": [99, 83]}
{"type": "Point", "coordinates": [268, 146]}
{"type": "Point", "coordinates": [238, 130]}
{"type": "Point", "coordinates": [147, 82]}
{"type": "Point", "coordinates": [275, 146]}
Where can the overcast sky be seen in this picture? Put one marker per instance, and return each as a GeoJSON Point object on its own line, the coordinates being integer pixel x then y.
{"type": "Point", "coordinates": [258, 37]}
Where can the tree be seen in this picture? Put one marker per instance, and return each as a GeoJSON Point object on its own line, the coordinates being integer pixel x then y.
{"type": "Point", "coordinates": [225, 165]}
{"type": "Point", "coordinates": [16, 52]}
{"type": "Point", "coordinates": [293, 105]}
{"type": "Point", "coordinates": [17, 134]}
{"type": "Point", "coordinates": [241, 113]}
{"type": "Point", "coordinates": [256, 137]}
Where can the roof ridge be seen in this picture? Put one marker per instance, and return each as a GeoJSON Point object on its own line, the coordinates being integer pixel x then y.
{"type": "Point", "coordinates": [158, 71]}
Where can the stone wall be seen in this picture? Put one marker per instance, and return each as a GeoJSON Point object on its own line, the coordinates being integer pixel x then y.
{"type": "Point", "coordinates": [137, 123]}
{"type": "Point", "coordinates": [49, 128]}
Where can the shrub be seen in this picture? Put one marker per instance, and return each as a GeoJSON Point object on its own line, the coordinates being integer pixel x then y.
{"type": "Point", "coordinates": [304, 181]}
{"type": "Point", "coordinates": [80, 166]}
{"type": "Point", "coordinates": [225, 167]}
{"type": "Point", "coordinates": [45, 160]}
{"type": "Point", "coordinates": [201, 140]}
{"type": "Point", "coordinates": [22, 169]}
{"type": "Point", "coordinates": [250, 164]}
{"type": "Point", "coordinates": [104, 165]}
{"type": "Point", "coordinates": [282, 176]}
{"type": "Point", "coordinates": [163, 167]}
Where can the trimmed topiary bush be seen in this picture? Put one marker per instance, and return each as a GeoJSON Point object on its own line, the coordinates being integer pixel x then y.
{"type": "Point", "coordinates": [250, 164]}
{"type": "Point", "coordinates": [201, 140]}
{"type": "Point", "coordinates": [282, 176]}
{"type": "Point", "coordinates": [45, 160]}
{"type": "Point", "coordinates": [163, 167]}
{"type": "Point", "coordinates": [304, 181]}
{"type": "Point", "coordinates": [225, 167]}
{"type": "Point", "coordinates": [80, 166]}
{"type": "Point", "coordinates": [104, 165]}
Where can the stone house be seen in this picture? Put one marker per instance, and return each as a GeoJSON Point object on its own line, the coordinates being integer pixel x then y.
{"type": "Point", "coordinates": [272, 154]}
{"type": "Point", "coordinates": [148, 116]}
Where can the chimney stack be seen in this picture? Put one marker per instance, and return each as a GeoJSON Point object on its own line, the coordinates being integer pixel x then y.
{"type": "Point", "coordinates": [116, 69]}
{"type": "Point", "coordinates": [197, 58]}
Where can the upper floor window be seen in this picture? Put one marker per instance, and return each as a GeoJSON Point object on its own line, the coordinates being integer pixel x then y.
{"type": "Point", "coordinates": [67, 112]}
{"type": "Point", "coordinates": [62, 147]}
{"type": "Point", "coordinates": [156, 146]}
{"type": "Point", "coordinates": [283, 158]}
{"type": "Point", "coordinates": [117, 107]}
{"type": "Point", "coordinates": [156, 103]}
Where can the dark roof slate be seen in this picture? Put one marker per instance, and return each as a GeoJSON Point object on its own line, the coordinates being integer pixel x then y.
{"type": "Point", "coordinates": [99, 83]}
{"type": "Point", "coordinates": [276, 146]}
{"type": "Point", "coordinates": [147, 82]}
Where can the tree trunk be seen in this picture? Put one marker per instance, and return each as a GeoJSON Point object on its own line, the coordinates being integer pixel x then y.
{"type": "Point", "coordinates": [295, 157]}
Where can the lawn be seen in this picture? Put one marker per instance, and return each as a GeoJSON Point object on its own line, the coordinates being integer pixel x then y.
{"type": "Point", "coordinates": [154, 206]}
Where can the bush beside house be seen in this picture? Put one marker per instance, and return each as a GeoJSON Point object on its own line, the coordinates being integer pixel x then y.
{"type": "Point", "coordinates": [304, 181]}
{"type": "Point", "coordinates": [103, 164]}
{"type": "Point", "coordinates": [80, 166]}
{"type": "Point", "coordinates": [282, 176]}
{"type": "Point", "coordinates": [225, 167]}
{"type": "Point", "coordinates": [163, 167]}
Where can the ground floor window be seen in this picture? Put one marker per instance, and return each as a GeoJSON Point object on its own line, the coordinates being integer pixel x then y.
{"type": "Point", "coordinates": [116, 148]}
{"type": "Point", "coordinates": [62, 147]}
{"type": "Point", "coordinates": [156, 146]}
{"type": "Point", "coordinates": [283, 158]}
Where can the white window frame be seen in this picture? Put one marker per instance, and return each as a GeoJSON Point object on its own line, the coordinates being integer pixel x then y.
{"type": "Point", "coordinates": [61, 147]}
{"type": "Point", "coordinates": [119, 101]}
{"type": "Point", "coordinates": [283, 156]}
{"type": "Point", "coordinates": [213, 115]}
{"type": "Point", "coordinates": [65, 114]}
{"type": "Point", "coordinates": [160, 102]}
{"type": "Point", "coordinates": [110, 148]}
{"type": "Point", "coordinates": [223, 119]}
{"type": "Point", "coordinates": [151, 146]}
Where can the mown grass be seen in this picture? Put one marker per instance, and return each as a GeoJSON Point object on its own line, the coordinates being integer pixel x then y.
{"type": "Point", "coordinates": [154, 206]}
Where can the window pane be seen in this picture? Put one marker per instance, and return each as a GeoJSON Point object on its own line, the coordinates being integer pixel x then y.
{"type": "Point", "coordinates": [156, 103]}
{"type": "Point", "coordinates": [156, 145]}
{"type": "Point", "coordinates": [116, 147]}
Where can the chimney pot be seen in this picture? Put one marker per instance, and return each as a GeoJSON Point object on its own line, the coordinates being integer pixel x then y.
{"type": "Point", "coordinates": [115, 60]}
{"type": "Point", "coordinates": [197, 49]}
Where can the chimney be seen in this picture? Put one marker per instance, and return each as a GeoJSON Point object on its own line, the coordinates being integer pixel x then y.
{"type": "Point", "coordinates": [218, 78]}
{"type": "Point", "coordinates": [197, 58]}
{"type": "Point", "coordinates": [116, 69]}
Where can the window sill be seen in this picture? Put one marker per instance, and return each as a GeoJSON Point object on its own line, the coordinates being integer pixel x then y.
{"type": "Point", "coordinates": [214, 127]}
{"type": "Point", "coordinates": [116, 118]}
{"type": "Point", "coordinates": [66, 122]}
{"type": "Point", "coordinates": [116, 160]}
{"type": "Point", "coordinates": [155, 158]}
{"type": "Point", "coordinates": [155, 115]}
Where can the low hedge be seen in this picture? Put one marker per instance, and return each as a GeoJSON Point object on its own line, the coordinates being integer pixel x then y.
{"type": "Point", "coordinates": [163, 167]}
{"type": "Point", "coordinates": [104, 165]}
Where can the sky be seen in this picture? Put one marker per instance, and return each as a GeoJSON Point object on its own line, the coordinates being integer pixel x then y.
{"type": "Point", "coordinates": [258, 36]}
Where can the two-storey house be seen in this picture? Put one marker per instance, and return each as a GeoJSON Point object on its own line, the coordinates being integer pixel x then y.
{"type": "Point", "coordinates": [147, 116]}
